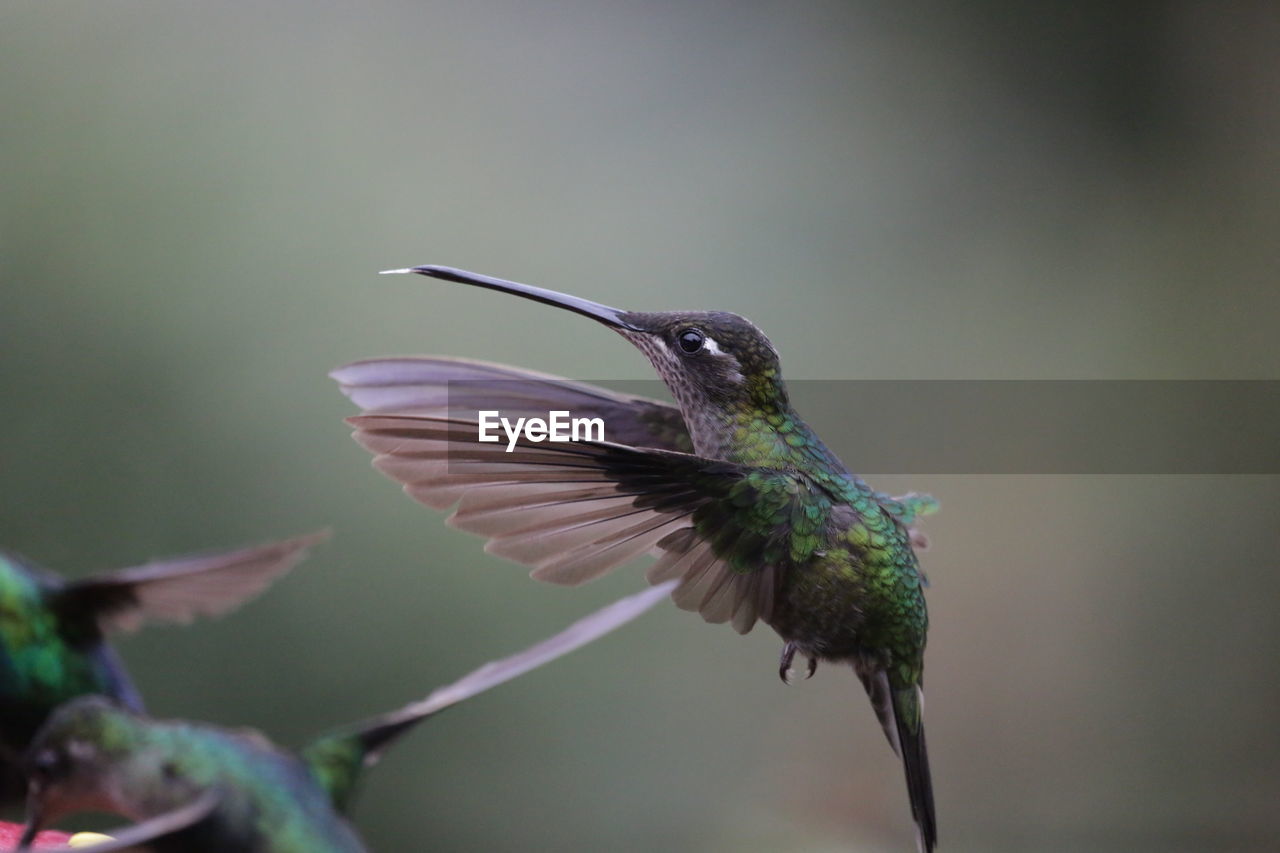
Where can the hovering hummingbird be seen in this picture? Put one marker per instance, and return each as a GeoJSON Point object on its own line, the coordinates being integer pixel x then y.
{"type": "Point", "coordinates": [96, 754]}
{"type": "Point", "coordinates": [53, 632]}
{"type": "Point", "coordinates": [739, 499]}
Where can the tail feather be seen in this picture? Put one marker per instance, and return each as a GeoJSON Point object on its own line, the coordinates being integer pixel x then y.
{"type": "Point", "coordinates": [901, 714]}
{"type": "Point", "coordinates": [907, 707]}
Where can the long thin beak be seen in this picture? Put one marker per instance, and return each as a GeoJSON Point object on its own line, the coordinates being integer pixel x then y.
{"type": "Point", "coordinates": [34, 823]}
{"type": "Point", "coordinates": [609, 316]}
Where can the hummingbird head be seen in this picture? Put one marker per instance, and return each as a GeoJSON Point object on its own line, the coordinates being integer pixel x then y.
{"type": "Point", "coordinates": [712, 361]}
{"type": "Point", "coordinates": [69, 765]}
{"type": "Point", "coordinates": [709, 359]}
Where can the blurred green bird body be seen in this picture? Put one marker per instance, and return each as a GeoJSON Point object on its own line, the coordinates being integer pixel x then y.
{"type": "Point", "coordinates": [96, 754]}
{"type": "Point", "coordinates": [740, 500]}
{"type": "Point", "coordinates": [41, 664]}
{"type": "Point", "coordinates": [53, 632]}
{"type": "Point", "coordinates": [268, 800]}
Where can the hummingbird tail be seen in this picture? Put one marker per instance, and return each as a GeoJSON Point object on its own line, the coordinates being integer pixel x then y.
{"type": "Point", "coordinates": [908, 705]}
{"type": "Point", "coordinates": [337, 760]}
{"type": "Point", "coordinates": [901, 715]}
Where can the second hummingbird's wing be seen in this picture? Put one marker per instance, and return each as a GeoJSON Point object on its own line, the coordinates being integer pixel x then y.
{"type": "Point", "coordinates": [573, 511]}
{"type": "Point", "coordinates": [144, 837]}
{"type": "Point", "coordinates": [337, 759]}
{"type": "Point", "coordinates": [458, 387]}
{"type": "Point", "coordinates": [176, 590]}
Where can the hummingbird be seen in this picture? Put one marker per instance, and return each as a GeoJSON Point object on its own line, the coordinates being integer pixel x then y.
{"type": "Point", "coordinates": [95, 753]}
{"type": "Point", "coordinates": [737, 497]}
{"type": "Point", "coordinates": [53, 632]}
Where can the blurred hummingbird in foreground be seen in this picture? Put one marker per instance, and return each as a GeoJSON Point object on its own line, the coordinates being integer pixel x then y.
{"type": "Point", "coordinates": [737, 497]}
{"type": "Point", "coordinates": [95, 754]}
{"type": "Point", "coordinates": [53, 632]}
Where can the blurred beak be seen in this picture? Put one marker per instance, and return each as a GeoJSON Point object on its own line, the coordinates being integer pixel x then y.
{"type": "Point", "coordinates": [609, 316]}
{"type": "Point", "coordinates": [35, 823]}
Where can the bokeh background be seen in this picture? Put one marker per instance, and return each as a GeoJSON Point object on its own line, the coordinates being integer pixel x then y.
{"type": "Point", "coordinates": [196, 197]}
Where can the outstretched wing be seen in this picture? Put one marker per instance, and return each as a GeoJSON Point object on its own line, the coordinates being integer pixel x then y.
{"type": "Point", "coordinates": [337, 759]}
{"type": "Point", "coordinates": [573, 511]}
{"type": "Point", "coordinates": [176, 590]}
{"type": "Point", "coordinates": [459, 387]}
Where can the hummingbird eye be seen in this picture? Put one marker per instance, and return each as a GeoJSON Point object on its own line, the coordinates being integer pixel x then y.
{"type": "Point", "coordinates": [691, 340]}
{"type": "Point", "coordinates": [46, 765]}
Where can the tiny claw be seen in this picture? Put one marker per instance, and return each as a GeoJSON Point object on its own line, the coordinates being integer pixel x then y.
{"type": "Point", "coordinates": [813, 667]}
{"type": "Point", "coordinates": [784, 663]}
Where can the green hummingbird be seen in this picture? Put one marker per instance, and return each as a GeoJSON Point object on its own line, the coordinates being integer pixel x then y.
{"type": "Point", "coordinates": [738, 498]}
{"type": "Point", "coordinates": [96, 754]}
{"type": "Point", "coordinates": [53, 632]}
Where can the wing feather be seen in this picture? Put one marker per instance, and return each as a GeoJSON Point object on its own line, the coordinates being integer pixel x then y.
{"type": "Point", "coordinates": [155, 834]}
{"type": "Point", "coordinates": [573, 511]}
{"type": "Point", "coordinates": [337, 759]}
{"type": "Point", "coordinates": [179, 589]}
{"type": "Point", "coordinates": [452, 387]}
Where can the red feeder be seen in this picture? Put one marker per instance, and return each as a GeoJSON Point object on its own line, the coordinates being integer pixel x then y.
{"type": "Point", "coordinates": [11, 832]}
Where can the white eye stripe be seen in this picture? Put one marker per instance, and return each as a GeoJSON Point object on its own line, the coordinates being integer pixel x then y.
{"type": "Point", "coordinates": [711, 346]}
{"type": "Point", "coordinates": [81, 750]}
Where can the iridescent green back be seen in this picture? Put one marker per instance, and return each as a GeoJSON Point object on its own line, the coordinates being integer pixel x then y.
{"type": "Point", "coordinates": [42, 663]}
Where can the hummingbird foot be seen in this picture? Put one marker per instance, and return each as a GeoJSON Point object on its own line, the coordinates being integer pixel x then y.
{"type": "Point", "coordinates": [784, 663]}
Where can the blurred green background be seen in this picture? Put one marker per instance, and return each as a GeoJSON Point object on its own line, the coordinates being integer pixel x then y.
{"type": "Point", "coordinates": [196, 197]}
